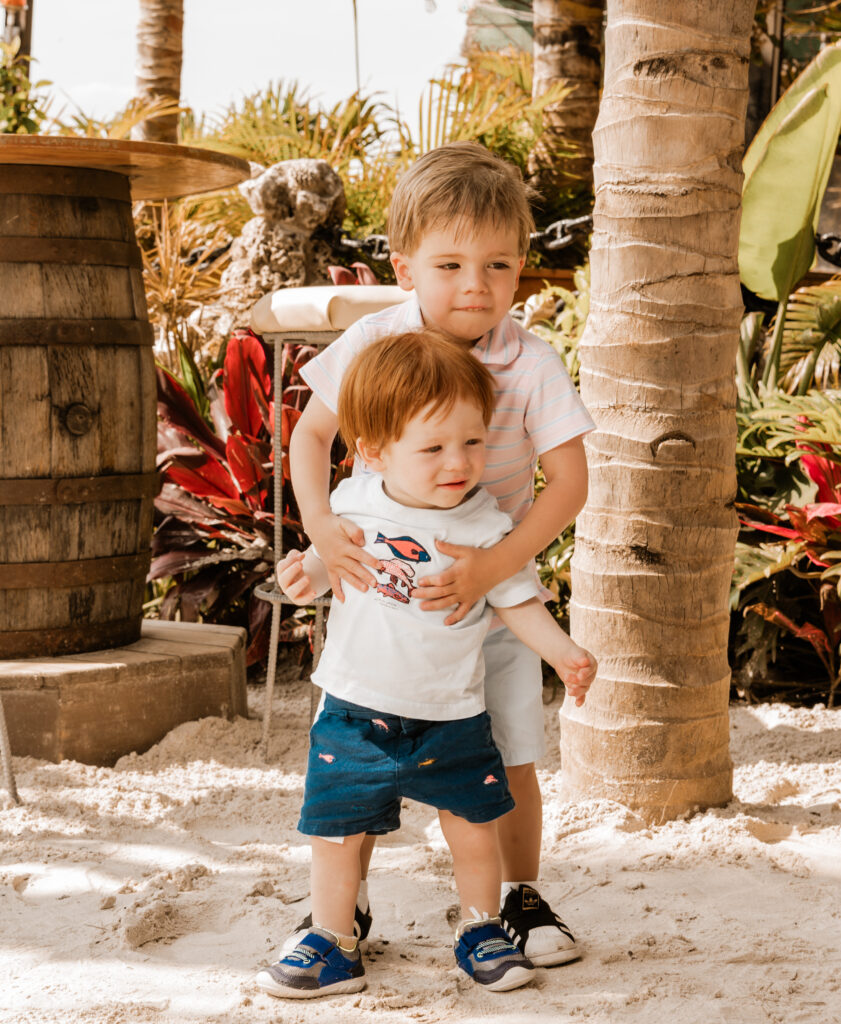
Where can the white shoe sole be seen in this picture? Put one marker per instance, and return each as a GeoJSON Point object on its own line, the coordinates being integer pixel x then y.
{"type": "Point", "coordinates": [266, 983]}
{"type": "Point", "coordinates": [555, 957]}
{"type": "Point", "coordinates": [514, 978]}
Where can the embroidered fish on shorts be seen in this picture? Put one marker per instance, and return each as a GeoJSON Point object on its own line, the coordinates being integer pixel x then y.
{"type": "Point", "coordinates": [329, 758]}
{"type": "Point", "coordinates": [490, 779]}
{"type": "Point", "coordinates": [380, 724]}
{"type": "Point", "coordinates": [406, 548]}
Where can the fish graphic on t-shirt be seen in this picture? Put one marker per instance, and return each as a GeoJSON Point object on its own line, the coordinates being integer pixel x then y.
{"type": "Point", "coordinates": [406, 548]}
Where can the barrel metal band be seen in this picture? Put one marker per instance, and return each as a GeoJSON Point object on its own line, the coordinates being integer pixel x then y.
{"type": "Point", "coordinates": [77, 639]}
{"type": "Point", "coordinates": [77, 490]}
{"type": "Point", "coordinates": [24, 179]}
{"type": "Point", "coordinates": [103, 252]}
{"type": "Point", "coordinates": [82, 573]}
{"type": "Point", "coordinates": [77, 332]}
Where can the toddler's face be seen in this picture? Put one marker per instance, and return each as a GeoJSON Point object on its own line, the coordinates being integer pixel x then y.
{"type": "Point", "coordinates": [438, 459]}
{"type": "Point", "coordinates": [465, 281]}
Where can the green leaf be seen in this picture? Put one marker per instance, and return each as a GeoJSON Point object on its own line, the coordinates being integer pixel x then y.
{"type": "Point", "coordinates": [782, 190]}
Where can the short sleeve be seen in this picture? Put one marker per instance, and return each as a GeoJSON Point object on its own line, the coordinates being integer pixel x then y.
{"type": "Point", "coordinates": [323, 374]}
{"type": "Point", "coordinates": [554, 412]}
{"type": "Point", "coordinates": [515, 590]}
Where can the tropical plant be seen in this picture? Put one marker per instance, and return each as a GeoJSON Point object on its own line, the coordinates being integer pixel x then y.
{"type": "Point", "coordinates": [785, 588]}
{"type": "Point", "coordinates": [183, 259]}
{"type": "Point", "coordinates": [213, 539]}
{"type": "Point", "coordinates": [22, 110]}
{"type": "Point", "coordinates": [121, 125]}
{"type": "Point", "coordinates": [786, 169]}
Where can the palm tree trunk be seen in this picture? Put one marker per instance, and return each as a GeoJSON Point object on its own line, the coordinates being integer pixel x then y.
{"type": "Point", "coordinates": [567, 46]}
{"type": "Point", "coordinates": [159, 41]}
{"type": "Point", "coordinates": [654, 545]}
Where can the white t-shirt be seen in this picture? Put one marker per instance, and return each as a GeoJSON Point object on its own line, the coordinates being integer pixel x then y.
{"type": "Point", "coordinates": [382, 651]}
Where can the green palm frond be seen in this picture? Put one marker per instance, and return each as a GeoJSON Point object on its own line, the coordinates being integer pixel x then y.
{"type": "Point", "coordinates": [117, 127]}
{"type": "Point", "coordinates": [811, 352]}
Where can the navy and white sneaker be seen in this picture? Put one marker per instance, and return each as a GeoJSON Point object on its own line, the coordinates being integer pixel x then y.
{"type": "Point", "coordinates": [536, 929]}
{"type": "Point", "coordinates": [486, 954]}
{"type": "Point", "coordinates": [315, 967]}
{"type": "Point", "coordinates": [361, 927]}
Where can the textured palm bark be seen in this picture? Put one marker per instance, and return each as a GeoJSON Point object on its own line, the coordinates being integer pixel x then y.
{"type": "Point", "coordinates": [654, 545]}
{"type": "Point", "coordinates": [567, 46]}
{"type": "Point", "coordinates": [159, 41]}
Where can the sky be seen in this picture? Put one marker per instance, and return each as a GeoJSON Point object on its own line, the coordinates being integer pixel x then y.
{"type": "Point", "coordinates": [86, 49]}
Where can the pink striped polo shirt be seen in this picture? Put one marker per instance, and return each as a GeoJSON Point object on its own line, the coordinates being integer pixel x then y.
{"type": "Point", "coordinates": [537, 405]}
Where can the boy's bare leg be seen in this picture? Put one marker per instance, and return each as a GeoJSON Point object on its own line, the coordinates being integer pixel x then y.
{"type": "Point", "coordinates": [334, 883]}
{"type": "Point", "coordinates": [476, 865]}
{"type": "Point", "coordinates": [520, 830]}
{"type": "Point", "coordinates": [365, 852]}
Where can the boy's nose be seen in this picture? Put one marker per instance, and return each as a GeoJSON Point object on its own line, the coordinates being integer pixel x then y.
{"type": "Point", "coordinates": [475, 280]}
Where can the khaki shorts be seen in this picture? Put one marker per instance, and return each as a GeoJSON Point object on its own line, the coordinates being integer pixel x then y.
{"type": "Point", "coordinates": [514, 697]}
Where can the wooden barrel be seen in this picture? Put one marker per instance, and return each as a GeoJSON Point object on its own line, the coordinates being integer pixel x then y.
{"type": "Point", "coordinates": [77, 413]}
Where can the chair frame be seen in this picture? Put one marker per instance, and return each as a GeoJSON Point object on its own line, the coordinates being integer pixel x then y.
{"type": "Point", "coordinates": [269, 590]}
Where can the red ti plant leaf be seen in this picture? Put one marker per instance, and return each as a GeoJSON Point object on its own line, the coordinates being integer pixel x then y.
{"type": "Point", "coordinates": [245, 377]}
{"type": "Point", "coordinates": [206, 479]}
{"type": "Point", "coordinates": [828, 510]}
{"type": "Point", "coordinates": [248, 470]}
{"type": "Point", "coordinates": [341, 275]}
{"type": "Point", "coordinates": [815, 636]}
{"type": "Point", "coordinates": [176, 408]}
{"type": "Point", "coordinates": [364, 274]}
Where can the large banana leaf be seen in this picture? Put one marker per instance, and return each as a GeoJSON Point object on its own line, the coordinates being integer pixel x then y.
{"type": "Point", "coordinates": [779, 198]}
{"type": "Point", "coordinates": [786, 168]}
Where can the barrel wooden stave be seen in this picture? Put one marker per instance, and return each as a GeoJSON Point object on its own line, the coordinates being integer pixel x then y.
{"type": "Point", "coordinates": [105, 392]}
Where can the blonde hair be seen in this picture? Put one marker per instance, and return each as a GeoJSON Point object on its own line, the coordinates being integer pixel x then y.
{"type": "Point", "coordinates": [464, 184]}
{"type": "Point", "coordinates": [393, 379]}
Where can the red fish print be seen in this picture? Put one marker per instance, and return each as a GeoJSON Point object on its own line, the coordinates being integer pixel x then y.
{"type": "Point", "coordinates": [489, 779]}
{"type": "Point", "coordinates": [398, 571]}
{"type": "Point", "coordinates": [405, 547]}
{"type": "Point", "coordinates": [379, 723]}
{"type": "Point", "coordinates": [329, 758]}
{"type": "Point", "coordinates": [387, 590]}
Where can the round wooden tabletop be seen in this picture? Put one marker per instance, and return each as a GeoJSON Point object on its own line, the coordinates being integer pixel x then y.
{"type": "Point", "coordinates": [156, 170]}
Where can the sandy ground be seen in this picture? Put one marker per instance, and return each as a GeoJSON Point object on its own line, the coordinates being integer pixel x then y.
{"type": "Point", "coordinates": [152, 891]}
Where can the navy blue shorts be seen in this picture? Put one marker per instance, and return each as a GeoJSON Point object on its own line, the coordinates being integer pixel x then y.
{"type": "Point", "coordinates": [363, 762]}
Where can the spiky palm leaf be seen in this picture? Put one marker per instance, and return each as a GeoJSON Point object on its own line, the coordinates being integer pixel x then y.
{"type": "Point", "coordinates": [811, 353]}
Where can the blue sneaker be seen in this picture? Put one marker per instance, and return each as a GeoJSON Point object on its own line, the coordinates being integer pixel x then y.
{"type": "Point", "coordinates": [315, 967]}
{"type": "Point", "coordinates": [486, 954]}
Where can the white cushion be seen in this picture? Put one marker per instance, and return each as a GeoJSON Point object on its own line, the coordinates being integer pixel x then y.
{"type": "Point", "coordinates": [321, 308]}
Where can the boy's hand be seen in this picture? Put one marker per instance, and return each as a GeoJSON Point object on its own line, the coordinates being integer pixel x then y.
{"type": "Point", "coordinates": [473, 573]}
{"type": "Point", "coordinates": [577, 669]}
{"type": "Point", "coordinates": [292, 579]}
{"type": "Point", "coordinates": [339, 545]}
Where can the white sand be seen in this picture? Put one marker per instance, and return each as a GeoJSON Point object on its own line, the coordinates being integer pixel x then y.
{"type": "Point", "coordinates": [150, 892]}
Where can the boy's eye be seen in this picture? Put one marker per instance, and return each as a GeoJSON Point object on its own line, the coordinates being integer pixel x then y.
{"type": "Point", "coordinates": [448, 266]}
{"type": "Point", "coordinates": [474, 440]}
{"type": "Point", "coordinates": [500, 265]}
{"type": "Point", "coordinates": [433, 448]}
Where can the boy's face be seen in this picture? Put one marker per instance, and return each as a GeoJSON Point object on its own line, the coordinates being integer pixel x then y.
{"type": "Point", "coordinates": [438, 459]}
{"type": "Point", "coordinates": [465, 280]}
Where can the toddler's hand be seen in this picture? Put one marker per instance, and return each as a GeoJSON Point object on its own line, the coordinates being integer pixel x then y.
{"type": "Point", "coordinates": [292, 579]}
{"type": "Point", "coordinates": [471, 575]}
{"type": "Point", "coordinates": [577, 670]}
{"type": "Point", "coordinates": [339, 545]}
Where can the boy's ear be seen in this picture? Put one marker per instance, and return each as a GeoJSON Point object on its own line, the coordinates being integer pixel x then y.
{"type": "Point", "coordinates": [402, 271]}
{"type": "Point", "coordinates": [370, 455]}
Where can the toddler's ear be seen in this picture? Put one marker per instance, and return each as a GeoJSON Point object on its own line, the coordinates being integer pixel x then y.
{"type": "Point", "coordinates": [370, 455]}
{"type": "Point", "coordinates": [402, 271]}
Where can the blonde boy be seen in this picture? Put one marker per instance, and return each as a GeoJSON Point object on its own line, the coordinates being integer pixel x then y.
{"type": "Point", "coordinates": [403, 711]}
{"type": "Point", "coordinates": [459, 228]}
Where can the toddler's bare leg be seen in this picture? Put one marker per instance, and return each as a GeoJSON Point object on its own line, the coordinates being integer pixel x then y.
{"type": "Point", "coordinates": [520, 830]}
{"type": "Point", "coordinates": [476, 864]}
{"type": "Point", "coordinates": [334, 883]}
{"type": "Point", "coordinates": [365, 852]}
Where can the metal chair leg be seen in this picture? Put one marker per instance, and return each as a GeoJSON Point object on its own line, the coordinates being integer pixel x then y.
{"type": "Point", "coordinates": [6, 757]}
{"type": "Point", "coordinates": [271, 671]}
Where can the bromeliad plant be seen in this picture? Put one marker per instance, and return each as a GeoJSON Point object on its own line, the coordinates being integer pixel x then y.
{"type": "Point", "coordinates": [213, 541]}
